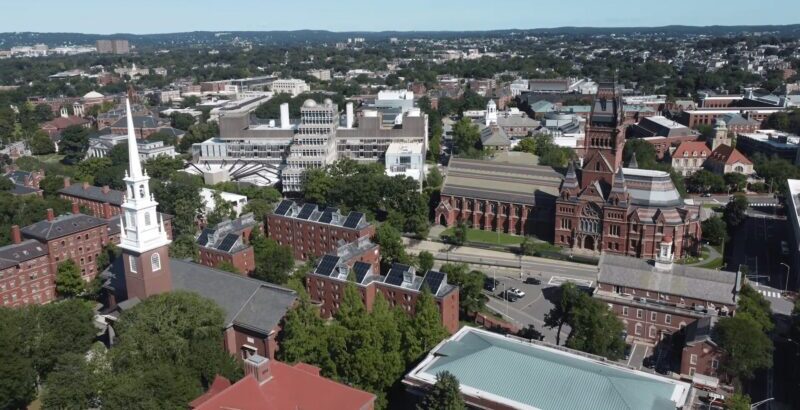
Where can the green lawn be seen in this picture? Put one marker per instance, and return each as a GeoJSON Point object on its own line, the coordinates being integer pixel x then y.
{"type": "Point", "coordinates": [713, 264]}
{"type": "Point", "coordinates": [488, 237]}
{"type": "Point", "coordinates": [49, 158]}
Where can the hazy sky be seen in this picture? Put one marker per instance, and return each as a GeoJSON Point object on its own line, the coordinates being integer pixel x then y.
{"type": "Point", "coordinates": [164, 16]}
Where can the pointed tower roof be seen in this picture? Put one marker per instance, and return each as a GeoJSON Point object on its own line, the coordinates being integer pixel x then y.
{"type": "Point", "coordinates": [632, 163]}
{"type": "Point", "coordinates": [571, 180]}
{"type": "Point", "coordinates": [135, 167]}
{"type": "Point", "coordinates": [619, 182]}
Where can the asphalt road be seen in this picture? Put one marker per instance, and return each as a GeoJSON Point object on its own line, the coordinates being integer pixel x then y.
{"type": "Point", "coordinates": [723, 199]}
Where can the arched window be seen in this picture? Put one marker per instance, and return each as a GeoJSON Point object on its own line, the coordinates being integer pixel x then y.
{"type": "Point", "coordinates": [155, 262]}
{"type": "Point", "coordinates": [141, 191]}
{"type": "Point", "coordinates": [147, 219]}
{"type": "Point", "coordinates": [739, 169]}
{"type": "Point", "coordinates": [132, 263]}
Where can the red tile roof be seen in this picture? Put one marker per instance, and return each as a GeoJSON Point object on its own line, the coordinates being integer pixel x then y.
{"type": "Point", "coordinates": [60, 123]}
{"type": "Point", "coordinates": [692, 148]}
{"type": "Point", "coordinates": [287, 388]}
{"type": "Point", "coordinates": [729, 155]}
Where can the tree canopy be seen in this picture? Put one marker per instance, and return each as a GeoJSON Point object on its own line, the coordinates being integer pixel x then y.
{"type": "Point", "coordinates": [445, 394]}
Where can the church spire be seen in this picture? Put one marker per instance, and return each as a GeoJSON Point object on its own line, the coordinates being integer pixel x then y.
{"type": "Point", "coordinates": [571, 180]}
{"type": "Point", "coordinates": [135, 167]}
{"type": "Point", "coordinates": [632, 163]}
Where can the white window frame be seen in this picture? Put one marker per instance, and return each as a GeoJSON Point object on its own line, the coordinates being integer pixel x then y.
{"type": "Point", "coordinates": [132, 263]}
{"type": "Point", "coordinates": [693, 359]}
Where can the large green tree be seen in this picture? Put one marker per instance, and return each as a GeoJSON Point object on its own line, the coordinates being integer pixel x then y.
{"type": "Point", "coordinates": [595, 329]}
{"type": "Point", "coordinates": [445, 394]}
{"type": "Point", "coordinates": [69, 282]}
{"type": "Point", "coordinates": [734, 213]}
{"type": "Point", "coordinates": [18, 383]}
{"type": "Point", "coordinates": [470, 283]}
{"type": "Point", "coordinates": [41, 144]}
{"type": "Point", "coordinates": [714, 230]}
{"type": "Point", "coordinates": [74, 143]}
{"type": "Point", "coordinates": [391, 243]}
{"type": "Point", "coordinates": [561, 312]}
{"type": "Point", "coordinates": [746, 348]}
{"type": "Point", "coordinates": [466, 138]}
{"type": "Point", "coordinates": [274, 262]}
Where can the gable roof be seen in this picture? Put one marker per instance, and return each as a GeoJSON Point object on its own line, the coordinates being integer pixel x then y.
{"type": "Point", "coordinates": [494, 136]}
{"type": "Point", "coordinates": [729, 156]}
{"type": "Point", "coordinates": [691, 149]}
{"type": "Point", "coordinates": [14, 254]}
{"type": "Point", "coordinates": [60, 226]}
{"type": "Point", "coordinates": [94, 193]}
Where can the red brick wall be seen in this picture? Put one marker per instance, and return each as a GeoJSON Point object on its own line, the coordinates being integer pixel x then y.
{"type": "Point", "coordinates": [706, 359]}
{"type": "Point", "coordinates": [82, 247]}
{"type": "Point", "coordinates": [311, 239]}
{"type": "Point", "coordinates": [244, 260]}
{"type": "Point", "coordinates": [31, 282]}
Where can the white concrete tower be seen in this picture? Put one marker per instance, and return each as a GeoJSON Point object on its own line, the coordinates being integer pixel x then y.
{"type": "Point", "coordinates": [664, 259]}
{"type": "Point", "coordinates": [143, 238]}
{"type": "Point", "coordinates": [491, 113]}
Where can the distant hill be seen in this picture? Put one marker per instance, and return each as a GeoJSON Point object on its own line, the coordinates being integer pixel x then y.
{"type": "Point", "coordinates": [210, 38]}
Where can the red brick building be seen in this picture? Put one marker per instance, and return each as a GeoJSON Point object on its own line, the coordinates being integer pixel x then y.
{"type": "Point", "coordinates": [626, 211]}
{"type": "Point", "coordinates": [74, 236]}
{"type": "Point", "coordinates": [228, 241]}
{"type": "Point", "coordinates": [57, 125]}
{"type": "Point", "coordinates": [103, 202]}
{"type": "Point", "coordinates": [700, 354]}
{"type": "Point", "coordinates": [270, 384]}
{"type": "Point", "coordinates": [25, 275]}
{"type": "Point", "coordinates": [400, 287]}
{"type": "Point", "coordinates": [499, 196]}
{"type": "Point", "coordinates": [655, 299]}
{"type": "Point", "coordinates": [311, 232]}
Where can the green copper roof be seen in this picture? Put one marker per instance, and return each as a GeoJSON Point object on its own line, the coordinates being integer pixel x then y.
{"type": "Point", "coordinates": [535, 376]}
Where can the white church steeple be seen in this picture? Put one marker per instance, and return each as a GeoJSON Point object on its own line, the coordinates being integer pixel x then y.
{"type": "Point", "coordinates": [491, 113]}
{"type": "Point", "coordinates": [141, 226]}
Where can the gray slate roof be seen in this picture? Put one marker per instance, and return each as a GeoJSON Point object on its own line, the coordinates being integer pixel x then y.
{"type": "Point", "coordinates": [62, 225]}
{"type": "Point", "coordinates": [249, 303]}
{"type": "Point", "coordinates": [94, 193]}
{"type": "Point", "coordinates": [13, 255]}
{"type": "Point", "coordinates": [505, 182]}
{"type": "Point", "coordinates": [686, 281]}
{"type": "Point", "coordinates": [139, 121]}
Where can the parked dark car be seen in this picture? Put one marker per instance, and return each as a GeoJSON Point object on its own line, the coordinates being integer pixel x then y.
{"type": "Point", "coordinates": [628, 350]}
{"type": "Point", "coordinates": [532, 281]}
{"type": "Point", "coordinates": [509, 296]}
{"type": "Point", "coordinates": [490, 284]}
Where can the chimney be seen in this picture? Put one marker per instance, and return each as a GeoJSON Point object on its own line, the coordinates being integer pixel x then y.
{"type": "Point", "coordinates": [16, 235]}
{"type": "Point", "coordinates": [106, 189]}
{"type": "Point", "coordinates": [75, 208]}
{"type": "Point", "coordinates": [66, 182]}
{"type": "Point", "coordinates": [349, 115]}
{"type": "Point", "coordinates": [50, 214]}
{"type": "Point", "coordinates": [85, 185]}
{"type": "Point", "coordinates": [285, 124]}
{"type": "Point", "coordinates": [258, 366]}
{"type": "Point", "coordinates": [106, 210]}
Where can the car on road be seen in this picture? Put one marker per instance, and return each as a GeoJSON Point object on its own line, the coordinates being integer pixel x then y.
{"type": "Point", "coordinates": [490, 284]}
{"type": "Point", "coordinates": [517, 292]}
{"type": "Point", "coordinates": [706, 195]}
{"type": "Point", "coordinates": [508, 295]}
{"type": "Point", "coordinates": [649, 362]}
{"type": "Point", "coordinates": [532, 281]}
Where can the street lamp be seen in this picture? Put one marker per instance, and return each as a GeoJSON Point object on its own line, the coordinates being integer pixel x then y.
{"type": "Point", "coordinates": [786, 288]}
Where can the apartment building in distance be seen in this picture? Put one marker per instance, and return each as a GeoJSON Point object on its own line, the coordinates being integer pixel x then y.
{"type": "Point", "coordinates": [25, 275]}
{"type": "Point", "coordinates": [401, 287]}
{"type": "Point", "coordinates": [229, 242]}
{"type": "Point", "coordinates": [291, 86]}
{"type": "Point", "coordinates": [312, 232]}
{"type": "Point", "coordinates": [113, 46]}
{"type": "Point", "coordinates": [268, 152]}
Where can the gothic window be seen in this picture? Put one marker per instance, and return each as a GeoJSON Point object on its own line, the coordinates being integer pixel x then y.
{"type": "Point", "coordinates": [494, 208]}
{"type": "Point", "coordinates": [482, 206]}
{"type": "Point", "coordinates": [739, 169]}
{"type": "Point", "coordinates": [132, 263]}
{"type": "Point", "coordinates": [141, 191]}
{"type": "Point", "coordinates": [597, 166]}
{"type": "Point", "coordinates": [147, 219]}
{"type": "Point", "coordinates": [155, 262]}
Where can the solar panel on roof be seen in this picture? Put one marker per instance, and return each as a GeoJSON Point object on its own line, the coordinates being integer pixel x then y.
{"type": "Point", "coordinates": [353, 219]}
{"type": "Point", "coordinates": [360, 269]}
{"type": "Point", "coordinates": [327, 215]}
{"type": "Point", "coordinates": [203, 239]}
{"type": "Point", "coordinates": [306, 211]}
{"type": "Point", "coordinates": [228, 242]}
{"type": "Point", "coordinates": [433, 280]}
{"type": "Point", "coordinates": [395, 277]}
{"type": "Point", "coordinates": [283, 207]}
{"type": "Point", "coordinates": [327, 265]}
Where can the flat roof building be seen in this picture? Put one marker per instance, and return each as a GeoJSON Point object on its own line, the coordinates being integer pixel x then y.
{"type": "Point", "coordinates": [503, 372]}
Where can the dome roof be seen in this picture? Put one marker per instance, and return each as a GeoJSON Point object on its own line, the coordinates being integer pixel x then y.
{"type": "Point", "coordinates": [328, 101]}
{"type": "Point", "coordinates": [491, 103]}
{"type": "Point", "coordinates": [309, 103]}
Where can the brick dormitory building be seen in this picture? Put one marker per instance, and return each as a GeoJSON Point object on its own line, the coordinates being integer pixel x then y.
{"type": "Point", "coordinates": [228, 241]}
{"type": "Point", "coordinates": [343, 247]}
{"type": "Point", "coordinates": [657, 299]}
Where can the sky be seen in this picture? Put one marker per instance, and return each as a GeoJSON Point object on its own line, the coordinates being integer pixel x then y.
{"type": "Point", "coordinates": [169, 16]}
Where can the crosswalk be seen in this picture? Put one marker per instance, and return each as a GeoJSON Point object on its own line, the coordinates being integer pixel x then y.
{"type": "Point", "coordinates": [770, 293]}
{"type": "Point", "coordinates": [764, 204]}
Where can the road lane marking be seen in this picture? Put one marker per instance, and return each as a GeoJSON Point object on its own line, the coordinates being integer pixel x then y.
{"type": "Point", "coordinates": [633, 352]}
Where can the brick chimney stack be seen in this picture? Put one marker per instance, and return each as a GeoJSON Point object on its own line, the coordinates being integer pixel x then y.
{"type": "Point", "coordinates": [106, 189]}
{"type": "Point", "coordinates": [16, 235]}
{"type": "Point", "coordinates": [66, 182]}
{"type": "Point", "coordinates": [50, 214]}
{"type": "Point", "coordinates": [75, 208]}
{"type": "Point", "coordinates": [258, 366]}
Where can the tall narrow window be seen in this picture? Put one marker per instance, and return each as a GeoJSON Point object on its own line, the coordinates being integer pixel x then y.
{"type": "Point", "coordinates": [147, 219]}
{"type": "Point", "coordinates": [132, 263]}
{"type": "Point", "coordinates": [155, 262]}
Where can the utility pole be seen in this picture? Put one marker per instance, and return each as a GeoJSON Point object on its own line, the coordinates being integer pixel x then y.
{"type": "Point", "coordinates": [786, 287]}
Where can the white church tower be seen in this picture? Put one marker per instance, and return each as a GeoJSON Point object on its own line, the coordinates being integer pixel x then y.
{"type": "Point", "coordinates": [143, 238]}
{"type": "Point", "coordinates": [491, 113]}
